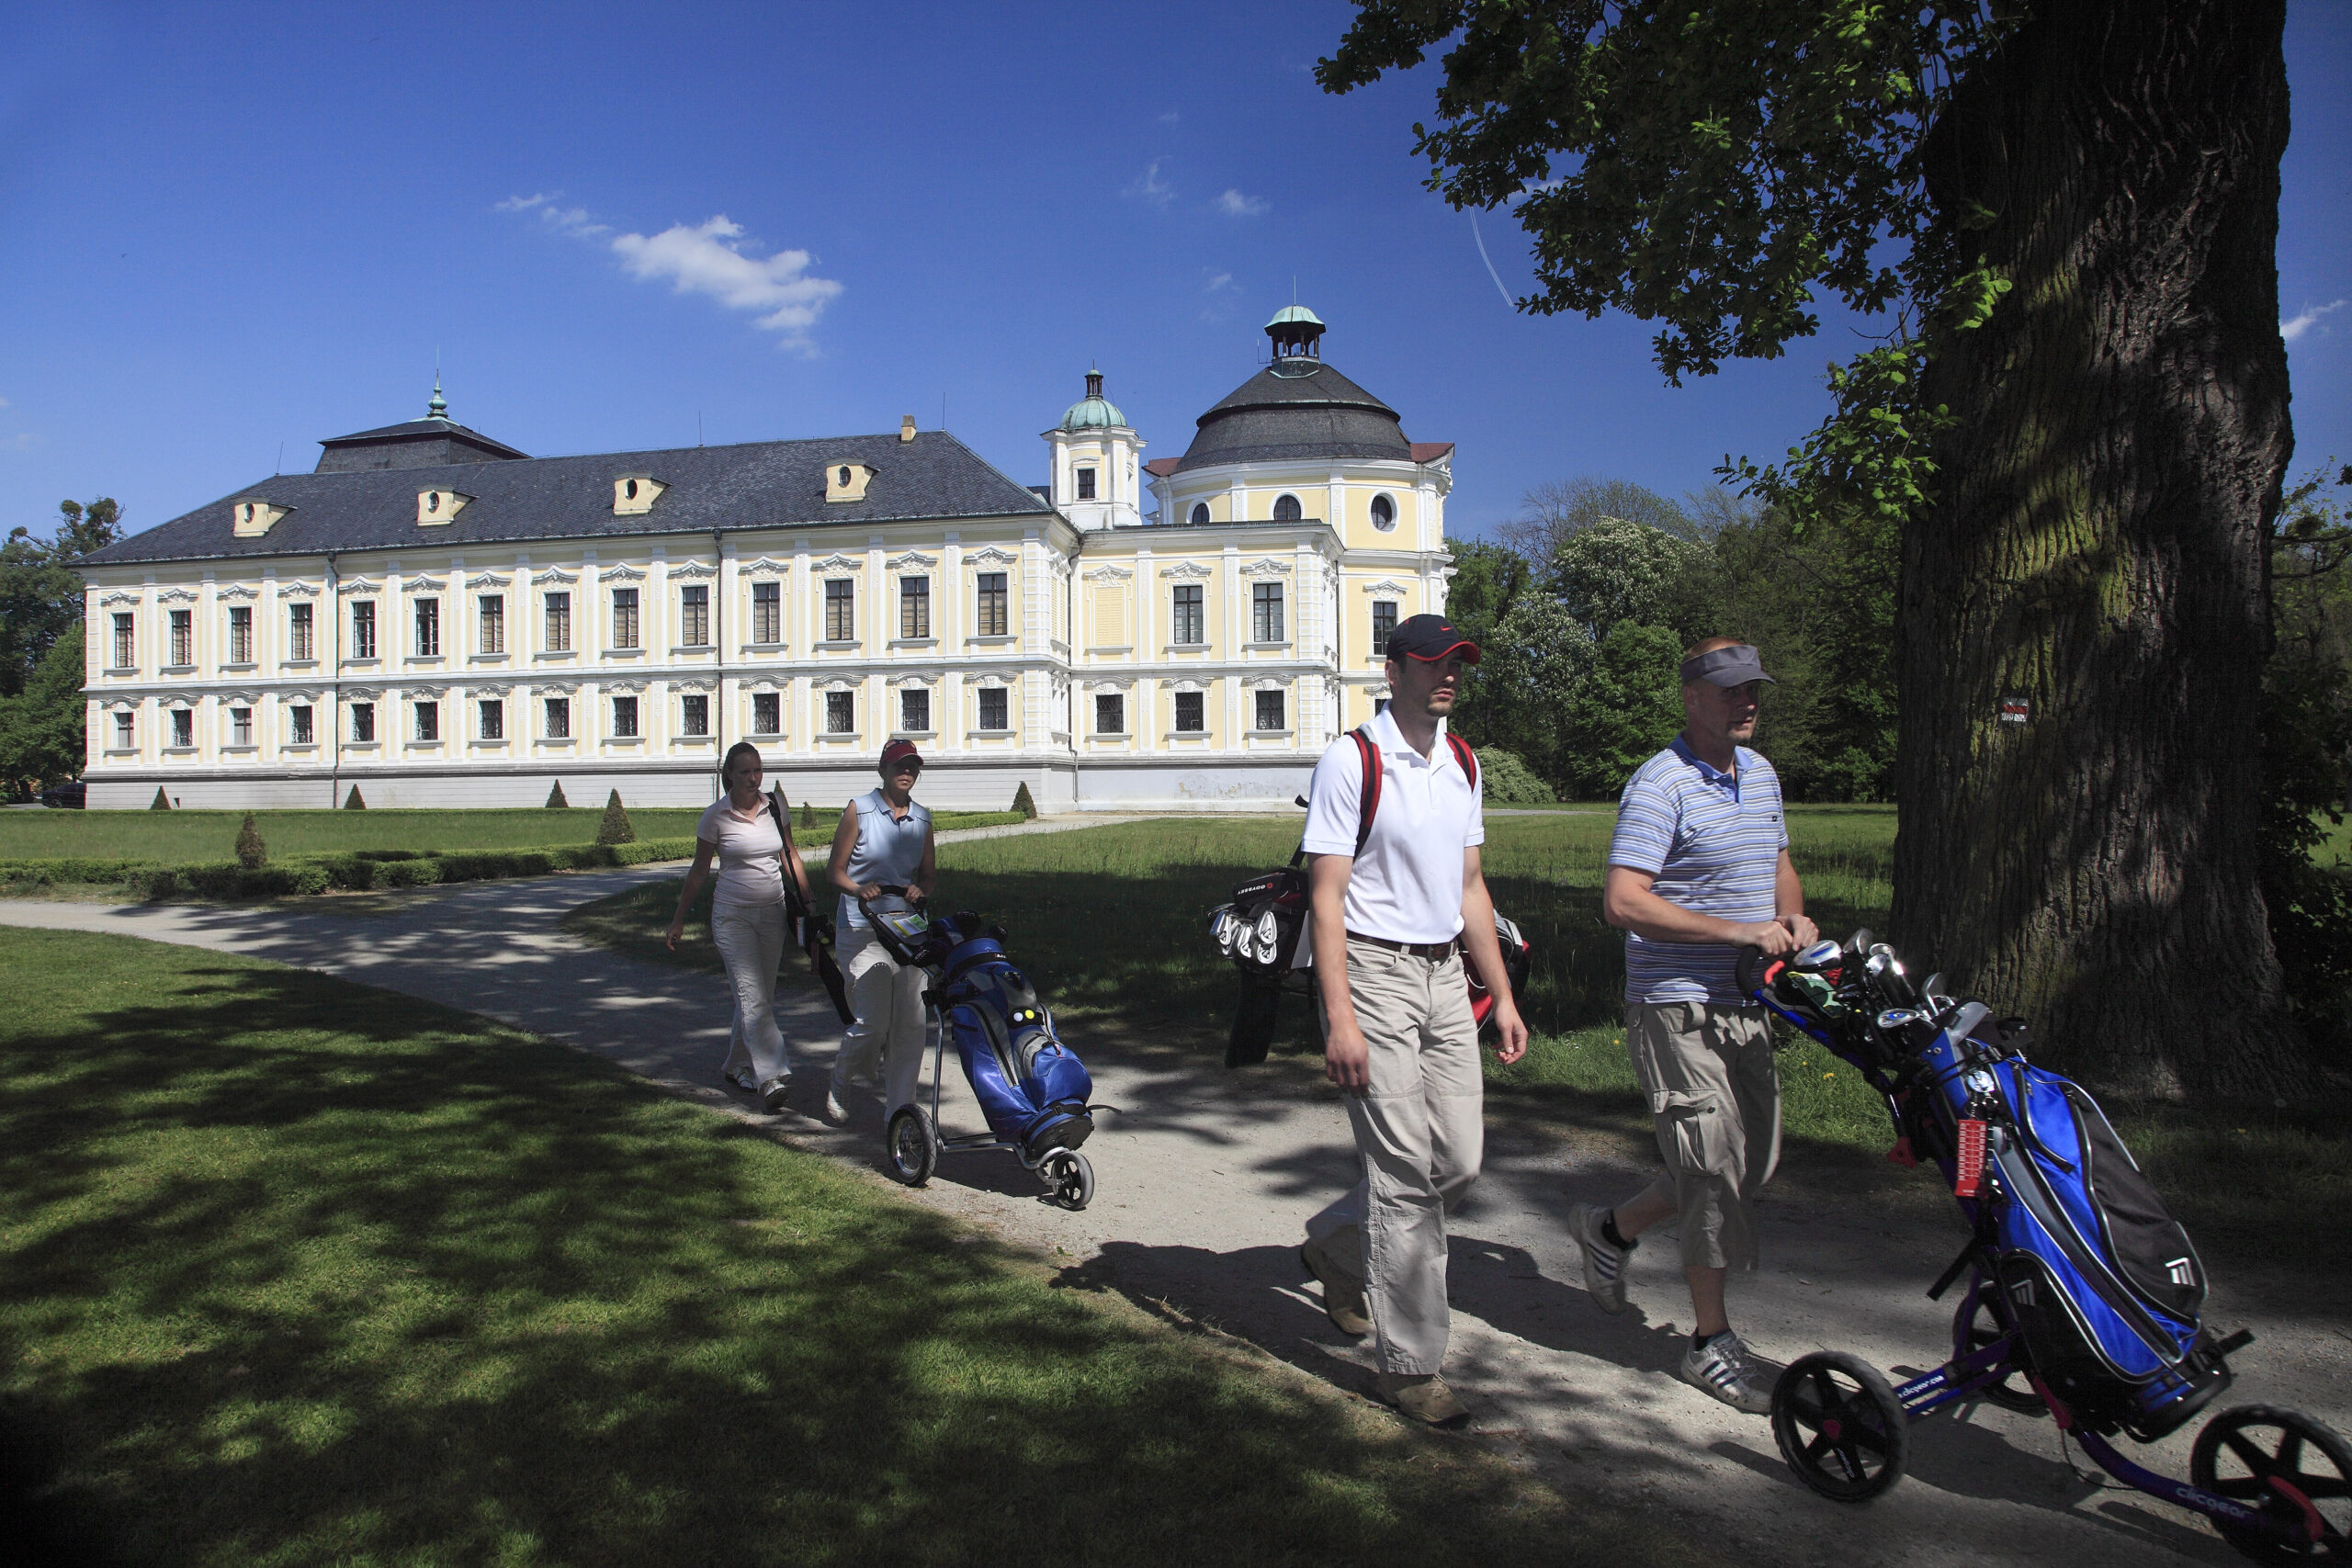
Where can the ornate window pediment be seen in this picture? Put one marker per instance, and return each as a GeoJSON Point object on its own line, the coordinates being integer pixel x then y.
{"type": "Point", "coordinates": [1187, 571]}
{"type": "Point", "coordinates": [621, 574]}
{"type": "Point", "coordinates": [422, 694]}
{"type": "Point", "coordinates": [555, 576]}
{"type": "Point", "coordinates": [690, 686]}
{"type": "Point", "coordinates": [361, 694]}
{"type": "Point", "coordinates": [1186, 684]}
{"type": "Point", "coordinates": [1269, 684]}
{"type": "Point", "coordinates": [914, 681]}
{"type": "Point", "coordinates": [692, 570]}
{"type": "Point", "coordinates": [238, 593]}
{"type": "Point", "coordinates": [840, 686]}
{"type": "Point", "coordinates": [1109, 574]}
{"type": "Point", "coordinates": [1266, 567]}
{"type": "Point", "coordinates": [555, 688]}
{"type": "Point", "coordinates": [297, 591]}
{"type": "Point", "coordinates": [1110, 685]}
{"type": "Point", "coordinates": [989, 555]}
{"type": "Point", "coordinates": [119, 597]}
{"type": "Point", "coordinates": [490, 690]}
{"type": "Point", "coordinates": [836, 563]}
{"type": "Point", "coordinates": [623, 688]}
{"type": "Point", "coordinates": [767, 566]}
{"type": "Point", "coordinates": [485, 580]}
{"type": "Point", "coordinates": [177, 597]}
{"type": "Point", "coordinates": [910, 560]}
{"type": "Point", "coordinates": [1387, 585]}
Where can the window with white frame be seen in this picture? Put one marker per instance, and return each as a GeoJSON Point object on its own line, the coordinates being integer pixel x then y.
{"type": "Point", "coordinates": [1200, 515]}
{"type": "Point", "coordinates": [183, 727]}
{"type": "Point", "coordinates": [1266, 611]}
{"type": "Point", "coordinates": [1384, 621]}
{"type": "Point", "coordinates": [492, 623]}
{"type": "Point", "coordinates": [1086, 484]}
{"type": "Point", "coordinates": [841, 713]}
{"type": "Point", "coordinates": [840, 609]}
{"type": "Point", "coordinates": [914, 606]}
{"type": "Point", "coordinates": [914, 710]}
{"type": "Point", "coordinates": [624, 630]}
{"type": "Point", "coordinates": [768, 612]}
{"type": "Point", "coordinates": [298, 632]}
{"type": "Point", "coordinates": [1110, 713]}
{"type": "Point", "coordinates": [1286, 509]}
{"type": "Point", "coordinates": [1384, 513]}
{"type": "Point", "coordinates": [428, 628]}
{"type": "Point", "coordinates": [1189, 625]}
{"type": "Point", "coordinates": [241, 727]}
{"type": "Point", "coordinates": [184, 637]}
{"type": "Point", "coordinates": [126, 642]}
{"type": "Point", "coordinates": [490, 719]}
{"type": "Point", "coordinates": [624, 718]}
{"type": "Point", "coordinates": [363, 629]}
{"type": "Point", "coordinates": [991, 616]}
{"type": "Point", "coordinates": [241, 634]}
{"type": "Point", "coordinates": [125, 735]}
{"type": "Point", "coordinates": [1269, 710]}
{"type": "Point", "coordinates": [693, 616]}
{"type": "Point", "coordinates": [767, 713]}
{"type": "Point", "coordinates": [297, 725]}
{"type": "Point", "coordinates": [1192, 713]}
{"type": "Point", "coordinates": [559, 608]}
{"type": "Point", "coordinates": [428, 721]}
{"type": "Point", "coordinates": [559, 712]}
{"type": "Point", "coordinates": [996, 709]}
{"type": "Point", "coordinates": [694, 714]}
{"type": "Point", "coordinates": [363, 722]}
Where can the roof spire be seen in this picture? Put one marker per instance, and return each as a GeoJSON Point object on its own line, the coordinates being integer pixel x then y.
{"type": "Point", "coordinates": [439, 407]}
{"type": "Point", "coordinates": [1093, 382]}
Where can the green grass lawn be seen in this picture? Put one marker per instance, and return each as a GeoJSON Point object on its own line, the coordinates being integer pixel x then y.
{"type": "Point", "coordinates": [300, 1272]}
{"type": "Point", "coordinates": [185, 838]}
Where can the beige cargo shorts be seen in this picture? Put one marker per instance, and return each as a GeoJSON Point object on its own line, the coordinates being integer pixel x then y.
{"type": "Point", "coordinates": [1714, 1094]}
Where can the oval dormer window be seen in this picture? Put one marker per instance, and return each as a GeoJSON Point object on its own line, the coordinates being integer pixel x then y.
{"type": "Point", "coordinates": [844, 479]}
{"type": "Point", "coordinates": [1384, 513]}
{"type": "Point", "coordinates": [432, 502]}
{"type": "Point", "coordinates": [1286, 509]}
{"type": "Point", "coordinates": [249, 512]}
{"type": "Point", "coordinates": [628, 489]}
{"type": "Point", "coordinates": [1200, 515]}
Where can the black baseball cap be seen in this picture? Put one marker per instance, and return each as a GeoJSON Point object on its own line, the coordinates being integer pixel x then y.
{"type": "Point", "coordinates": [1429, 638]}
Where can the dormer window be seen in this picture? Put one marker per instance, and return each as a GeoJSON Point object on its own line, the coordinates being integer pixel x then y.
{"type": "Point", "coordinates": [847, 481]}
{"type": "Point", "coordinates": [634, 494]}
{"type": "Point", "coordinates": [435, 507]}
{"type": "Point", "coordinates": [1200, 515]}
{"type": "Point", "coordinates": [251, 518]}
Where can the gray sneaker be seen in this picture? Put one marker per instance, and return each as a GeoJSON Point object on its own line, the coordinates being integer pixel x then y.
{"type": "Point", "coordinates": [1343, 1300]}
{"type": "Point", "coordinates": [772, 1094]}
{"type": "Point", "coordinates": [1604, 1260]}
{"type": "Point", "coordinates": [1721, 1368]}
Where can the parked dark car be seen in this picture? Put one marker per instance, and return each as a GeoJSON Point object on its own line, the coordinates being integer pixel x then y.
{"type": "Point", "coordinates": [72, 794]}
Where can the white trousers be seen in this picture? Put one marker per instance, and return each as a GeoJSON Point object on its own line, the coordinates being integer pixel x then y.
{"type": "Point", "coordinates": [1420, 1133]}
{"type": "Point", "coordinates": [750, 939]}
{"type": "Point", "coordinates": [888, 1000]}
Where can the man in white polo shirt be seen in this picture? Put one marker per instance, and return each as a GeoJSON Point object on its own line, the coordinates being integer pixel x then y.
{"type": "Point", "coordinates": [1392, 911]}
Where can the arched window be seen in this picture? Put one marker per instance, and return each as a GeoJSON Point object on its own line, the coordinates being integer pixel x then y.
{"type": "Point", "coordinates": [1200, 515]}
{"type": "Point", "coordinates": [1286, 509]}
{"type": "Point", "coordinates": [1384, 513]}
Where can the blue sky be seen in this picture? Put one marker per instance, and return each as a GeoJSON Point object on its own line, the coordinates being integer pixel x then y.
{"type": "Point", "coordinates": [229, 230]}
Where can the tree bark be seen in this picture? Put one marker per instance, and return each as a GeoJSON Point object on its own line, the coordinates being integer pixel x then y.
{"type": "Point", "coordinates": [2097, 549]}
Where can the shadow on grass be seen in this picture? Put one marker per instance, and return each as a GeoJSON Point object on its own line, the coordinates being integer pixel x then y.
{"type": "Point", "coordinates": [298, 1271]}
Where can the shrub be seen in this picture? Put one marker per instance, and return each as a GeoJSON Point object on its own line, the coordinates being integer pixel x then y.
{"type": "Point", "coordinates": [252, 852]}
{"type": "Point", "coordinates": [352, 802]}
{"type": "Point", "coordinates": [1508, 781]}
{"type": "Point", "coordinates": [554, 797]}
{"type": "Point", "coordinates": [808, 814]}
{"type": "Point", "coordinates": [615, 828]}
{"type": "Point", "coordinates": [1024, 804]}
{"type": "Point", "coordinates": [161, 802]}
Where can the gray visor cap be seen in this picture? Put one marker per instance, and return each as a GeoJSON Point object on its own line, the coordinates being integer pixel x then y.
{"type": "Point", "coordinates": [1734, 666]}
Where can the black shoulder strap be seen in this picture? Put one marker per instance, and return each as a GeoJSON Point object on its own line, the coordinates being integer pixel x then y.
{"type": "Point", "coordinates": [1467, 757]}
{"type": "Point", "coordinates": [1368, 800]}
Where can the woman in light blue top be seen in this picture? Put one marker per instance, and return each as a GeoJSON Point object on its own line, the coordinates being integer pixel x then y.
{"type": "Point", "coordinates": [884, 840]}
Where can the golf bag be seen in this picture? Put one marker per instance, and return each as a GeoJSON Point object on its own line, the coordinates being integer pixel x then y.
{"type": "Point", "coordinates": [1265, 928]}
{"type": "Point", "coordinates": [2079, 1252]}
{"type": "Point", "coordinates": [812, 932]}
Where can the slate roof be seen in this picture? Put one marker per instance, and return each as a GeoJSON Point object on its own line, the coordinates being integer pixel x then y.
{"type": "Point", "coordinates": [761, 484]}
{"type": "Point", "coordinates": [1297, 408]}
{"type": "Point", "coordinates": [418, 444]}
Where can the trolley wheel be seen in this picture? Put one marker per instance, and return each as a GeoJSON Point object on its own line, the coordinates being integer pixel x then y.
{"type": "Point", "coordinates": [1071, 1178]}
{"type": "Point", "coordinates": [1840, 1426]}
{"type": "Point", "coordinates": [910, 1145]}
{"type": "Point", "coordinates": [1978, 1323]}
{"type": "Point", "coordinates": [2291, 1468]}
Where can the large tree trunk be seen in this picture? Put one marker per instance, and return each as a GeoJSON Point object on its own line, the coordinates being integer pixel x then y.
{"type": "Point", "coordinates": [2098, 548]}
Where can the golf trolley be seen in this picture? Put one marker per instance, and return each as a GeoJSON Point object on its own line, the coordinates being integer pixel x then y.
{"type": "Point", "coordinates": [2083, 1294]}
{"type": "Point", "coordinates": [1031, 1088]}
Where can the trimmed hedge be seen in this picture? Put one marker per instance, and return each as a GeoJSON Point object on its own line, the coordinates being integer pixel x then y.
{"type": "Point", "coordinates": [362, 871]}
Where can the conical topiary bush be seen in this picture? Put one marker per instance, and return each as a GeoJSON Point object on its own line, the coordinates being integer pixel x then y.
{"type": "Point", "coordinates": [615, 828]}
{"type": "Point", "coordinates": [352, 802]}
{"type": "Point", "coordinates": [1024, 804]}
{"type": "Point", "coordinates": [162, 801]}
{"type": "Point", "coordinates": [252, 854]}
{"type": "Point", "coordinates": [808, 814]}
{"type": "Point", "coordinates": [554, 797]}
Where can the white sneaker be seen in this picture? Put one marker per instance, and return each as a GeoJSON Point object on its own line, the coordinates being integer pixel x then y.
{"type": "Point", "coordinates": [741, 1079]}
{"type": "Point", "coordinates": [1721, 1368]}
{"type": "Point", "coordinates": [835, 1112]}
{"type": "Point", "coordinates": [772, 1094]}
{"type": "Point", "coordinates": [1604, 1260]}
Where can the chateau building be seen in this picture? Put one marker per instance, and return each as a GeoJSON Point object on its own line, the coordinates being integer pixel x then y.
{"type": "Point", "coordinates": [442, 620]}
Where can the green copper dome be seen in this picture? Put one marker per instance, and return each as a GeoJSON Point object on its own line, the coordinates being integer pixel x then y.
{"type": "Point", "coordinates": [1290, 314]}
{"type": "Point", "coordinates": [1092, 411]}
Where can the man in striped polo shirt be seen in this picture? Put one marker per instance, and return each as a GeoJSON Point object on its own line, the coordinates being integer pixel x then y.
{"type": "Point", "coordinates": [1699, 868]}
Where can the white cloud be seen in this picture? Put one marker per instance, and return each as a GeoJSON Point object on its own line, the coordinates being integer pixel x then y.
{"type": "Point", "coordinates": [572, 220]}
{"type": "Point", "coordinates": [708, 259]}
{"type": "Point", "coordinates": [1169, 118]}
{"type": "Point", "coordinates": [1151, 188]}
{"type": "Point", "coordinates": [1233, 204]}
{"type": "Point", "coordinates": [1222, 281]}
{"type": "Point", "coordinates": [2298, 326]}
{"type": "Point", "coordinates": [23, 441]}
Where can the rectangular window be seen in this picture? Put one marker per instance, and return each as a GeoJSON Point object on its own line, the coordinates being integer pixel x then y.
{"type": "Point", "coordinates": [767, 713]}
{"type": "Point", "coordinates": [1269, 710]}
{"type": "Point", "coordinates": [1189, 624]}
{"type": "Point", "coordinates": [768, 612]}
{"type": "Point", "coordinates": [298, 632]}
{"type": "Point", "coordinates": [363, 721]}
{"type": "Point", "coordinates": [993, 620]}
{"type": "Point", "coordinates": [126, 643]}
{"type": "Point", "coordinates": [241, 634]}
{"type": "Point", "coordinates": [841, 713]}
{"type": "Point", "coordinates": [428, 628]}
{"type": "Point", "coordinates": [428, 721]}
{"type": "Point", "coordinates": [995, 709]}
{"type": "Point", "coordinates": [492, 719]}
{"type": "Point", "coordinates": [558, 623]}
{"type": "Point", "coordinates": [183, 637]}
{"type": "Point", "coordinates": [625, 717]}
{"type": "Point", "coordinates": [122, 731]}
{"type": "Point", "coordinates": [1086, 484]}
{"type": "Point", "coordinates": [841, 610]}
{"type": "Point", "coordinates": [493, 623]}
{"type": "Point", "coordinates": [241, 727]}
{"type": "Point", "coordinates": [694, 616]}
{"type": "Point", "coordinates": [1192, 715]}
{"type": "Point", "coordinates": [363, 629]}
{"type": "Point", "coordinates": [558, 719]}
{"type": "Point", "coordinates": [1266, 611]}
{"type": "Point", "coordinates": [624, 617]}
{"type": "Point", "coordinates": [694, 715]}
{"type": "Point", "coordinates": [914, 711]}
{"type": "Point", "coordinates": [1110, 713]}
{"type": "Point", "coordinates": [297, 718]}
{"type": "Point", "coordinates": [914, 606]}
{"type": "Point", "coordinates": [183, 727]}
{"type": "Point", "coordinates": [1384, 621]}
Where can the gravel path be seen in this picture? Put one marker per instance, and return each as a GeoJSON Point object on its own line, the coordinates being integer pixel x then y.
{"type": "Point", "coordinates": [1204, 1179]}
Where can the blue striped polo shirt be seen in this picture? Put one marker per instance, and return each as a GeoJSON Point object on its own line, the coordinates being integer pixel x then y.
{"type": "Point", "coordinates": [1711, 841]}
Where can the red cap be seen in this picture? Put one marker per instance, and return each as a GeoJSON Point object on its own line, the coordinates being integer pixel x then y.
{"type": "Point", "coordinates": [899, 751]}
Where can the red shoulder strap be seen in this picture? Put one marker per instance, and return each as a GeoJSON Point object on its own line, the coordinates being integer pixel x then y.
{"type": "Point", "coordinates": [1368, 801]}
{"type": "Point", "coordinates": [1467, 757]}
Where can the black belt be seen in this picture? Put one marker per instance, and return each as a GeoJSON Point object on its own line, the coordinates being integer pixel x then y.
{"type": "Point", "coordinates": [1435, 951]}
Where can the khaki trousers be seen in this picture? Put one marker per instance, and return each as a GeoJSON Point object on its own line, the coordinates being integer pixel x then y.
{"type": "Point", "coordinates": [1421, 1135]}
{"type": "Point", "coordinates": [1714, 1098]}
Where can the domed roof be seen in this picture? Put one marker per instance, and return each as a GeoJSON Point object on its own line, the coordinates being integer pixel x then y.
{"type": "Point", "coordinates": [1297, 408]}
{"type": "Point", "coordinates": [1290, 314]}
{"type": "Point", "coordinates": [1092, 411]}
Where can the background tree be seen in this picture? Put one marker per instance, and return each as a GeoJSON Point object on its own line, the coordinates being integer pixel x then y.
{"type": "Point", "coordinates": [1487, 578]}
{"type": "Point", "coordinates": [1531, 667]}
{"type": "Point", "coordinates": [1617, 571]}
{"type": "Point", "coordinates": [1557, 510]}
{"type": "Point", "coordinates": [41, 708]}
{"type": "Point", "coordinates": [1628, 706]}
{"type": "Point", "coordinates": [2071, 213]}
{"type": "Point", "coordinates": [44, 727]}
